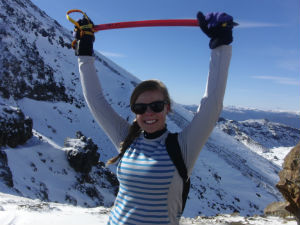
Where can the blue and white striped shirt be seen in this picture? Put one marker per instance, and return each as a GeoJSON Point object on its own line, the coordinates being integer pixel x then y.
{"type": "Point", "coordinates": [145, 173]}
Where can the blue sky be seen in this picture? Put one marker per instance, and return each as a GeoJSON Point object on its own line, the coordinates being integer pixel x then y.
{"type": "Point", "coordinates": [265, 66]}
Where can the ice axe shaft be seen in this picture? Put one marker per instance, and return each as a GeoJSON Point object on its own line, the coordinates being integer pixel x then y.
{"type": "Point", "coordinates": [147, 23]}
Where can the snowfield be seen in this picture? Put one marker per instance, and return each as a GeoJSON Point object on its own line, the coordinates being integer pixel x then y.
{"type": "Point", "coordinates": [22, 211]}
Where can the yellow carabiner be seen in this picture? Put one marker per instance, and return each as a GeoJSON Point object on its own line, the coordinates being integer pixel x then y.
{"type": "Point", "coordinates": [73, 21]}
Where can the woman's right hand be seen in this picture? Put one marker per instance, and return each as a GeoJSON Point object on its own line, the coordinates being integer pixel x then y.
{"type": "Point", "coordinates": [84, 36]}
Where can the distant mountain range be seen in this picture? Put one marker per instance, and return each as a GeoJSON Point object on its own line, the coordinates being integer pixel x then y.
{"type": "Point", "coordinates": [291, 119]}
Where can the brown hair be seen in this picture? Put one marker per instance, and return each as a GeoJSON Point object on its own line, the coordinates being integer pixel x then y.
{"type": "Point", "coordinates": [135, 130]}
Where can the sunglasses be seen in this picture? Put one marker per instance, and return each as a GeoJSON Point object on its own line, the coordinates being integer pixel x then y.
{"type": "Point", "coordinates": [141, 108]}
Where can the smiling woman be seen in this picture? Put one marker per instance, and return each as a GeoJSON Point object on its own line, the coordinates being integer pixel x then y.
{"type": "Point", "coordinates": [151, 188]}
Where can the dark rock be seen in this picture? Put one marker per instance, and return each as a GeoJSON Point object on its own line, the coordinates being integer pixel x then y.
{"type": "Point", "coordinates": [15, 128]}
{"type": "Point", "coordinates": [289, 184]}
{"type": "Point", "coordinates": [81, 153]}
{"type": "Point", "coordinates": [43, 192]}
{"type": "Point", "coordinates": [70, 199]}
{"type": "Point", "coordinates": [105, 174]}
{"type": "Point", "coordinates": [277, 209]}
{"type": "Point", "coordinates": [5, 172]}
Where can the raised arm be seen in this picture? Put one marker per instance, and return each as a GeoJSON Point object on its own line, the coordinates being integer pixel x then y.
{"type": "Point", "coordinates": [195, 135]}
{"type": "Point", "coordinates": [114, 125]}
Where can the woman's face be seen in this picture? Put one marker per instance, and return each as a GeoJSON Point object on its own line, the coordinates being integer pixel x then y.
{"type": "Point", "coordinates": [151, 121]}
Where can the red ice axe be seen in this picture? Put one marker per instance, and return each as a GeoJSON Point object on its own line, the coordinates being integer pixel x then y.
{"type": "Point", "coordinates": [147, 23]}
{"type": "Point", "coordinates": [143, 23]}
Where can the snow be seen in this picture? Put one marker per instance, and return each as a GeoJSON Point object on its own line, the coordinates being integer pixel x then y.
{"type": "Point", "coordinates": [23, 211]}
{"type": "Point", "coordinates": [277, 154]}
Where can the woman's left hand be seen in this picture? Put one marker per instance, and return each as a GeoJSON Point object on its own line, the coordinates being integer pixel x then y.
{"type": "Point", "coordinates": [217, 26]}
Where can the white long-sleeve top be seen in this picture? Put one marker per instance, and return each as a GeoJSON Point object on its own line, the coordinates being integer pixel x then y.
{"type": "Point", "coordinates": [150, 186]}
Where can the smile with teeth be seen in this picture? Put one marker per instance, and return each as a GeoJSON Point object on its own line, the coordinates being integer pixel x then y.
{"type": "Point", "coordinates": [150, 121]}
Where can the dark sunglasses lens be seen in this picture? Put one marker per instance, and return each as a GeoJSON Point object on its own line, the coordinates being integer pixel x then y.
{"type": "Point", "coordinates": [157, 106]}
{"type": "Point", "coordinates": [139, 108]}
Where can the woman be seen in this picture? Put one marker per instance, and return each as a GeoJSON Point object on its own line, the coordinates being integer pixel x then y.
{"type": "Point", "coordinates": [150, 186]}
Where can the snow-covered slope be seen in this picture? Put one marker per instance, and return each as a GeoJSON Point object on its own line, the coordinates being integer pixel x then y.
{"type": "Point", "coordinates": [268, 139]}
{"type": "Point", "coordinates": [39, 74]}
{"type": "Point", "coordinates": [40, 170]}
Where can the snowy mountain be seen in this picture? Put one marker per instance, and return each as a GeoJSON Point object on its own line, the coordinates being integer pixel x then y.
{"type": "Point", "coordinates": [40, 78]}
{"type": "Point", "coordinates": [268, 139]}
{"type": "Point", "coordinates": [261, 134]}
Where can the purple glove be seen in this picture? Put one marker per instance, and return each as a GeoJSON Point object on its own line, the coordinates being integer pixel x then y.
{"type": "Point", "coordinates": [218, 26]}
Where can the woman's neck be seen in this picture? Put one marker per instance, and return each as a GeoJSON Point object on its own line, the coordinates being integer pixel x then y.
{"type": "Point", "coordinates": [156, 134]}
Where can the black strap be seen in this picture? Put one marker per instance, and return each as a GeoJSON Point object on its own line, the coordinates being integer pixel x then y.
{"type": "Point", "coordinates": [174, 152]}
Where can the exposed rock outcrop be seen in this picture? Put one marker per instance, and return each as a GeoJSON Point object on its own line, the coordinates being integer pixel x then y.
{"type": "Point", "coordinates": [15, 128]}
{"type": "Point", "coordinates": [81, 153]}
{"type": "Point", "coordinates": [277, 209]}
{"type": "Point", "coordinates": [92, 175]}
{"type": "Point", "coordinates": [289, 184]}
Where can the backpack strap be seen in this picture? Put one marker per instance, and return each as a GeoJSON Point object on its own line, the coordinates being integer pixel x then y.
{"type": "Point", "coordinates": [174, 152]}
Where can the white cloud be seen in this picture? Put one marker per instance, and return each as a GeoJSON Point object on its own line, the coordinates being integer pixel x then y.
{"type": "Point", "coordinates": [292, 65]}
{"type": "Point", "coordinates": [286, 58]}
{"type": "Point", "coordinates": [112, 54]}
{"type": "Point", "coordinates": [248, 24]}
{"type": "Point", "coordinates": [280, 80]}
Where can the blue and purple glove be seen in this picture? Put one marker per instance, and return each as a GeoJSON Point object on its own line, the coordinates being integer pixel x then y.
{"type": "Point", "coordinates": [218, 27]}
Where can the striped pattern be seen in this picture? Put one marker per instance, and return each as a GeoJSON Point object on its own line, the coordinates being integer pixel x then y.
{"type": "Point", "coordinates": [145, 173]}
